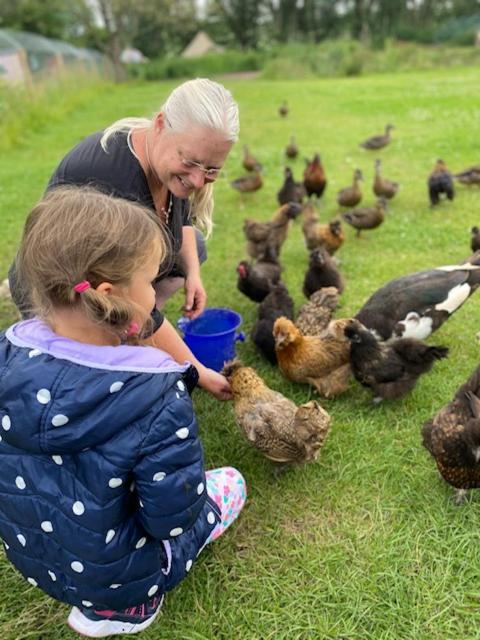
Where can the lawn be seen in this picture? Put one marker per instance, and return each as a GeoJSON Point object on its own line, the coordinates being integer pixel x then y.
{"type": "Point", "coordinates": [366, 543]}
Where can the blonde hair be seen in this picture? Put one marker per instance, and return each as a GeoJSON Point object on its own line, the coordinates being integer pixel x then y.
{"type": "Point", "coordinates": [77, 233]}
{"type": "Point", "coordinates": [199, 102]}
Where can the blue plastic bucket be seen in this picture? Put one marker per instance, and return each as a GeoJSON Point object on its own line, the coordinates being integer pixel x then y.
{"type": "Point", "coordinates": [212, 336]}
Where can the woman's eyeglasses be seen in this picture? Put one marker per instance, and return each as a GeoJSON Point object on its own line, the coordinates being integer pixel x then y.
{"type": "Point", "coordinates": [210, 173]}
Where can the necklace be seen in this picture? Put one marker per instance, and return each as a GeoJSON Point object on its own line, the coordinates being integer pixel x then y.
{"type": "Point", "coordinates": [164, 211]}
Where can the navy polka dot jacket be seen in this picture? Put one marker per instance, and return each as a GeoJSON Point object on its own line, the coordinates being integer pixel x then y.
{"type": "Point", "coordinates": [102, 492]}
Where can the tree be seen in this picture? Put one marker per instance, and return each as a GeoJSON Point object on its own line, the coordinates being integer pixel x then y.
{"type": "Point", "coordinates": [242, 18]}
{"type": "Point", "coordinates": [49, 18]}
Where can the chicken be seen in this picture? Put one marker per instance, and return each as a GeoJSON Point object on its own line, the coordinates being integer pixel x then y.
{"type": "Point", "coordinates": [322, 362]}
{"type": "Point", "coordinates": [469, 176]}
{"type": "Point", "coordinates": [284, 433]}
{"type": "Point", "coordinates": [249, 183]}
{"type": "Point", "coordinates": [366, 217]}
{"type": "Point", "coordinates": [352, 195]}
{"type": "Point", "coordinates": [314, 316]}
{"type": "Point", "coordinates": [475, 239]}
{"type": "Point", "coordinates": [250, 163]}
{"type": "Point", "coordinates": [276, 304]}
{"type": "Point", "coordinates": [416, 305]}
{"type": "Point", "coordinates": [452, 437]}
{"type": "Point", "coordinates": [440, 181]}
{"type": "Point", "coordinates": [283, 109]}
{"type": "Point", "coordinates": [314, 177]}
{"type": "Point", "coordinates": [382, 186]}
{"type": "Point", "coordinates": [329, 236]}
{"type": "Point", "coordinates": [291, 150]}
{"type": "Point", "coordinates": [265, 239]}
{"type": "Point", "coordinates": [390, 369]}
{"type": "Point", "coordinates": [378, 142]}
{"type": "Point", "coordinates": [322, 272]}
{"type": "Point", "coordinates": [290, 191]}
{"type": "Point", "coordinates": [256, 280]}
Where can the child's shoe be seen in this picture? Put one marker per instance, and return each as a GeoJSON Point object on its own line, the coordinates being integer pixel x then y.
{"type": "Point", "coordinates": [100, 624]}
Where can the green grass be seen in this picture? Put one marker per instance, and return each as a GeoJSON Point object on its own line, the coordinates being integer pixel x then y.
{"type": "Point", "coordinates": [365, 543]}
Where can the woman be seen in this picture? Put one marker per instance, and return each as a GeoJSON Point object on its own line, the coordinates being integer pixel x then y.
{"type": "Point", "coordinates": [168, 164]}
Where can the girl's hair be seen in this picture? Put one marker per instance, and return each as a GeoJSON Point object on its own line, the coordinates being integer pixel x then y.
{"type": "Point", "coordinates": [75, 234]}
{"type": "Point", "coordinates": [199, 102]}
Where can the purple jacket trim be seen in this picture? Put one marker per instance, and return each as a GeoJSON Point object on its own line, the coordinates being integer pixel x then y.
{"type": "Point", "coordinates": [35, 334]}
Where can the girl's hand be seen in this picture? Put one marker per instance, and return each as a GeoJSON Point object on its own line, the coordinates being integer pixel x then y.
{"type": "Point", "coordinates": [214, 383]}
{"type": "Point", "coordinates": [195, 297]}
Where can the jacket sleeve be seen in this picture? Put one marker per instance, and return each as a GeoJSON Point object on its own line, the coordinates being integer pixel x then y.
{"type": "Point", "coordinates": [170, 474]}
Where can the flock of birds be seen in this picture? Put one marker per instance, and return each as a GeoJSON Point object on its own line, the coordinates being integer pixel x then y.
{"type": "Point", "coordinates": [382, 346]}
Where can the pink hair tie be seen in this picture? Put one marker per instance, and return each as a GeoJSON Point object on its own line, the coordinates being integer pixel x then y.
{"type": "Point", "coordinates": [82, 286]}
{"type": "Point", "coordinates": [133, 329]}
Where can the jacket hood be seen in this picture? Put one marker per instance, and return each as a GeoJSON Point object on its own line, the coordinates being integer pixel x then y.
{"type": "Point", "coordinates": [56, 394]}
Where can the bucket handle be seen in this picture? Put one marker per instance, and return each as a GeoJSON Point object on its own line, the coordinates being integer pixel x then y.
{"type": "Point", "coordinates": [240, 336]}
{"type": "Point", "coordinates": [182, 323]}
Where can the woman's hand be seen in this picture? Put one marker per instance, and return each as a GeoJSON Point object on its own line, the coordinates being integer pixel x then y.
{"type": "Point", "coordinates": [214, 383]}
{"type": "Point", "coordinates": [195, 296]}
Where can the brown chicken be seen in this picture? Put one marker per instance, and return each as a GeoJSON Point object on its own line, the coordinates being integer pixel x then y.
{"type": "Point", "coordinates": [315, 315]}
{"type": "Point", "coordinates": [314, 177]}
{"type": "Point", "coordinates": [382, 186]}
{"type": "Point", "coordinates": [322, 362]}
{"type": "Point", "coordinates": [284, 433]}
{"type": "Point", "coordinates": [249, 160]}
{"type": "Point", "coordinates": [291, 150]}
{"type": "Point", "coordinates": [452, 436]}
{"type": "Point", "coordinates": [352, 195]}
{"type": "Point", "coordinates": [329, 236]}
{"type": "Point", "coordinates": [265, 239]}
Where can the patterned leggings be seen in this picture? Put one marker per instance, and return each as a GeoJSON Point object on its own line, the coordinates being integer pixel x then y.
{"type": "Point", "coordinates": [227, 487]}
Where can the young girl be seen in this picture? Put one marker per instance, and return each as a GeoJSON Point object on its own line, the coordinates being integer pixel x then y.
{"type": "Point", "coordinates": [104, 500]}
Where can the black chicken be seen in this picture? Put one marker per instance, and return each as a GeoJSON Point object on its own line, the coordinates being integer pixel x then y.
{"type": "Point", "coordinates": [278, 303]}
{"type": "Point", "coordinates": [452, 436]}
{"type": "Point", "coordinates": [322, 272]}
{"type": "Point", "coordinates": [440, 181]}
{"type": "Point", "coordinates": [390, 369]}
{"type": "Point", "coordinates": [256, 280]}
{"type": "Point", "coordinates": [290, 191]}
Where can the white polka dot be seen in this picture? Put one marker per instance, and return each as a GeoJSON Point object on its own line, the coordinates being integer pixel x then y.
{"type": "Point", "coordinates": [116, 386]}
{"type": "Point", "coordinates": [188, 566]}
{"type": "Point", "coordinates": [177, 394]}
{"type": "Point", "coordinates": [6, 545]}
{"type": "Point", "coordinates": [176, 532]}
{"type": "Point", "coordinates": [211, 517]}
{"type": "Point", "coordinates": [32, 582]}
{"type": "Point", "coordinates": [153, 590]}
{"type": "Point", "coordinates": [87, 603]}
{"type": "Point", "coordinates": [110, 535]}
{"type": "Point", "coordinates": [160, 475]}
{"type": "Point", "coordinates": [21, 539]}
{"type": "Point", "coordinates": [47, 526]}
{"type": "Point", "coordinates": [34, 352]}
{"type": "Point", "coordinates": [200, 488]}
{"type": "Point", "coordinates": [43, 396]}
{"type": "Point", "coordinates": [57, 459]}
{"type": "Point", "coordinates": [52, 576]}
{"type": "Point", "coordinates": [113, 483]}
{"type": "Point", "coordinates": [78, 508]}
{"type": "Point", "coordinates": [0, 438]}
{"type": "Point", "coordinates": [77, 566]}
{"type": "Point", "coordinates": [115, 586]}
{"type": "Point", "coordinates": [20, 482]}
{"type": "Point", "coordinates": [6, 422]}
{"type": "Point", "coordinates": [132, 486]}
{"type": "Point", "coordinates": [59, 420]}
{"type": "Point", "coordinates": [140, 543]}
{"type": "Point", "coordinates": [180, 385]}
{"type": "Point", "coordinates": [140, 503]}
{"type": "Point", "coordinates": [182, 433]}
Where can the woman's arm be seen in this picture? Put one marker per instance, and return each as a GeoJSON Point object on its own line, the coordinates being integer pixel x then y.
{"type": "Point", "coordinates": [167, 339]}
{"type": "Point", "coordinates": [195, 294]}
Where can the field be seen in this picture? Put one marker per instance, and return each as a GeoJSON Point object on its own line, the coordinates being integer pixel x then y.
{"type": "Point", "coordinates": [366, 543]}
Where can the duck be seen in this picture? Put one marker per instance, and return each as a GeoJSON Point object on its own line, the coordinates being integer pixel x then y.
{"type": "Point", "coordinates": [352, 195]}
{"type": "Point", "coordinates": [291, 150]}
{"type": "Point", "coordinates": [475, 239]}
{"type": "Point", "coordinates": [283, 109]}
{"type": "Point", "coordinates": [314, 177]}
{"type": "Point", "coordinates": [249, 160]}
{"type": "Point", "coordinates": [378, 142]}
{"type": "Point", "coordinates": [366, 217]}
{"type": "Point", "coordinates": [469, 176]}
{"type": "Point", "coordinates": [440, 181]}
{"type": "Point", "coordinates": [417, 304]}
{"type": "Point", "coordinates": [382, 186]}
{"type": "Point", "coordinates": [249, 183]}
